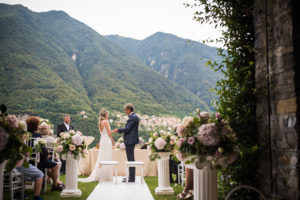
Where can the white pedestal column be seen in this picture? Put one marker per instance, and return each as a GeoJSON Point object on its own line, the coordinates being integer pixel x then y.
{"type": "Point", "coordinates": [2, 168]}
{"type": "Point", "coordinates": [71, 189]}
{"type": "Point", "coordinates": [163, 175]}
{"type": "Point", "coordinates": [205, 184]}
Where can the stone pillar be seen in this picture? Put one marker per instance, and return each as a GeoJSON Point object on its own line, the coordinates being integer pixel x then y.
{"type": "Point", "coordinates": [163, 175]}
{"type": "Point", "coordinates": [71, 189]}
{"type": "Point", "coordinates": [276, 98]}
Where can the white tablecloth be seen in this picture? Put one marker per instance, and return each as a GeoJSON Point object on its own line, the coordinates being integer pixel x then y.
{"type": "Point", "coordinates": [87, 164]}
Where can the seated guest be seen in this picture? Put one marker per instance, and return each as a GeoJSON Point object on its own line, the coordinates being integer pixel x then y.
{"type": "Point", "coordinates": [45, 161]}
{"type": "Point", "coordinates": [45, 131]}
{"type": "Point", "coordinates": [33, 174]}
{"type": "Point", "coordinates": [64, 127]}
{"type": "Point", "coordinates": [187, 192]}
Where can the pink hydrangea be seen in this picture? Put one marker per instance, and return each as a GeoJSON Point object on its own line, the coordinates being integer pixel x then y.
{"type": "Point", "coordinates": [160, 143]}
{"type": "Point", "coordinates": [3, 138]}
{"type": "Point", "coordinates": [77, 139]}
{"type": "Point", "coordinates": [60, 148]}
{"type": "Point", "coordinates": [122, 146]}
{"type": "Point", "coordinates": [191, 140]}
{"type": "Point", "coordinates": [72, 147]}
{"type": "Point", "coordinates": [204, 115]}
{"type": "Point", "coordinates": [208, 134]}
{"type": "Point", "coordinates": [13, 121]}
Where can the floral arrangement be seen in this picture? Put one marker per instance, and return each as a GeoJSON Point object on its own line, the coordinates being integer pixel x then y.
{"type": "Point", "coordinates": [45, 127]}
{"type": "Point", "coordinates": [162, 141]}
{"type": "Point", "coordinates": [12, 139]}
{"type": "Point", "coordinates": [39, 143]}
{"type": "Point", "coordinates": [71, 143]}
{"type": "Point", "coordinates": [206, 140]}
{"type": "Point", "coordinates": [120, 144]}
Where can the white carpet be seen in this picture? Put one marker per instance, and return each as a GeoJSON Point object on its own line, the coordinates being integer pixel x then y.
{"type": "Point", "coordinates": [121, 191]}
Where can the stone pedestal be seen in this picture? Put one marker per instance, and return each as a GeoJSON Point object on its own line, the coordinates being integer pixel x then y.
{"type": "Point", "coordinates": [2, 168]}
{"type": "Point", "coordinates": [71, 189]}
{"type": "Point", "coordinates": [205, 183]}
{"type": "Point", "coordinates": [163, 175]}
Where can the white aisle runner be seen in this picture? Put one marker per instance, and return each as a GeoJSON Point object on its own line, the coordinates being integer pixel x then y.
{"type": "Point", "coordinates": [121, 191]}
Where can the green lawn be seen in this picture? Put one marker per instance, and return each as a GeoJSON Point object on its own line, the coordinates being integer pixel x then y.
{"type": "Point", "coordinates": [87, 188]}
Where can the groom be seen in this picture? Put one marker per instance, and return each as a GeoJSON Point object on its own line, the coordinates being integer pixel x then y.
{"type": "Point", "coordinates": [131, 137]}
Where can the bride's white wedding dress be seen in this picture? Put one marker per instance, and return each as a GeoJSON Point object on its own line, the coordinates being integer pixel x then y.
{"type": "Point", "coordinates": [105, 173]}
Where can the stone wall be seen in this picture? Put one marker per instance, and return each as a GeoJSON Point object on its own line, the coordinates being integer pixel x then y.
{"type": "Point", "coordinates": [277, 83]}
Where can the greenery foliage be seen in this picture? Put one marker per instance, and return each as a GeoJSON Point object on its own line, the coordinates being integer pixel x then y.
{"type": "Point", "coordinates": [237, 90]}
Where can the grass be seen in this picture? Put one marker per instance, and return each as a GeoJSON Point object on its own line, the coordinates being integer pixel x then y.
{"type": "Point", "coordinates": [87, 188]}
{"type": "Point", "coordinates": [152, 183]}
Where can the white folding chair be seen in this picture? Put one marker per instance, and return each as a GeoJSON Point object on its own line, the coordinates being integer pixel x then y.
{"type": "Point", "coordinates": [181, 173]}
{"type": "Point", "coordinates": [13, 181]}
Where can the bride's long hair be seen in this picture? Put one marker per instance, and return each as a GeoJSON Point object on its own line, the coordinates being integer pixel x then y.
{"type": "Point", "coordinates": [102, 114]}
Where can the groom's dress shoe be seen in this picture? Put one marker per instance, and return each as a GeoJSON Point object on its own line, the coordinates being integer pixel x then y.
{"type": "Point", "coordinates": [129, 181]}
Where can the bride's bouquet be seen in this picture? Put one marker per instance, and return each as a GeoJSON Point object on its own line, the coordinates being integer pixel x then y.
{"type": "Point", "coordinates": [206, 140]}
{"type": "Point", "coordinates": [120, 144]}
{"type": "Point", "coordinates": [71, 143]}
{"type": "Point", "coordinates": [162, 141]}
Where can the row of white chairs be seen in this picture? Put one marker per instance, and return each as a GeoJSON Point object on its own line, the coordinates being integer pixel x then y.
{"type": "Point", "coordinates": [14, 180]}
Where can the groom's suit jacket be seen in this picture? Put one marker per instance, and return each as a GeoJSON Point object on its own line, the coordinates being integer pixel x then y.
{"type": "Point", "coordinates": [130, 131]}
{"type": "Point", "coordinates": [63, 128]}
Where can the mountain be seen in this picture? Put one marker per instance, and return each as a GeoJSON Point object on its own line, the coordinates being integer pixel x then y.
{"type": "Point", "coordinates": [52, 64]}
{"type": "Point", "coordinates": [180, 60]}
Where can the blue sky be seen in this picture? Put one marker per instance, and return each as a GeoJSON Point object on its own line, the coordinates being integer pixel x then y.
{"type": "Point", "coordinates": [131, 18]}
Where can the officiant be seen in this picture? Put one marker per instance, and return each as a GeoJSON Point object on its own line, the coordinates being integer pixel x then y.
{"type": "Point", "coordinates": [64, 127]}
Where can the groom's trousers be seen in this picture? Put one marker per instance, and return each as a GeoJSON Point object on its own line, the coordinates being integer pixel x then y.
{"type": "Point", "coordinates": [130, 157]}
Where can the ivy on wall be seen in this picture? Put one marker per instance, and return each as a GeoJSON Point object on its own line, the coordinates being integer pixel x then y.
{"type": "Point", "coordinates": [236, 91]}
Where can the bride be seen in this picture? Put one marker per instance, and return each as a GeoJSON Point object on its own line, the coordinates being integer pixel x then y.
{"type": "Point", "coordinates": [105, 173]}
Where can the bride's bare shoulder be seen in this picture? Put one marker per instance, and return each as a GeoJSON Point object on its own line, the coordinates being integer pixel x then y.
{"type": "Point", "coordinates": [103, 122]}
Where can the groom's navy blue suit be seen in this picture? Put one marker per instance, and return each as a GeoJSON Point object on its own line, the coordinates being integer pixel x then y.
{"type": "Point", "coordinates": [131, 138]}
